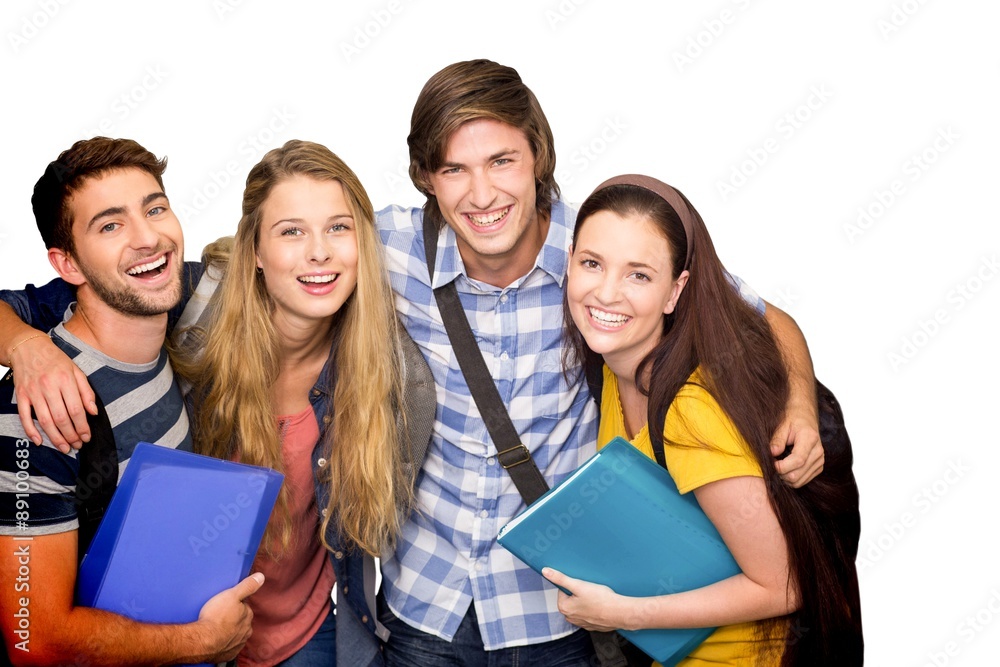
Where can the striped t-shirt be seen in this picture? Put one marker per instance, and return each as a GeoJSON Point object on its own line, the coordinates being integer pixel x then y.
{"type": "Point", "coordinates": [37, 483]}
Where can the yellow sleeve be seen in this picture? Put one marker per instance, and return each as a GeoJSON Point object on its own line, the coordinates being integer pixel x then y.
{"type": "Point", "coordinates": [709, 447]}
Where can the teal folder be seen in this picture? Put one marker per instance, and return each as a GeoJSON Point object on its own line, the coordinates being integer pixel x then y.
{"type": "Point", "coordinates": [620, 521]}
{"type": "Point", "coordinates": [180, 528]}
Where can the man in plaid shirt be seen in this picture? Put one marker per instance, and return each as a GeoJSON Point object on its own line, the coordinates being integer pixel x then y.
{"type": "Point", "coordinates": [482, 152]}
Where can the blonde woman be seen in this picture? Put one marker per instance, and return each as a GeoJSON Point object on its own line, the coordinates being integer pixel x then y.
{"type": "Point", "coordinates": [291, 348]}
{"type": "Point", "coordinates": [299, 369]}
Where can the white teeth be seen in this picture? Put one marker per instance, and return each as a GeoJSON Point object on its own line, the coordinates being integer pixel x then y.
{"type": "Point", "coordinates": [608, 318]}
{"type": "Point", "coordinates": [329, 278]}
{"type": "Point", "coordinates": [143, 268]}
{"type": "Point", "coordinates": [488, 219]}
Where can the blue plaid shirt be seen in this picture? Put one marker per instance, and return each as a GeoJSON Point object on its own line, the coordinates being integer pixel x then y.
{"type": "Point", "coordinates": [447, 555]}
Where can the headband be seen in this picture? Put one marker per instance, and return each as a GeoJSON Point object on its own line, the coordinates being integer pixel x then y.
{"type": "Point", "coordinates": [665, 192]}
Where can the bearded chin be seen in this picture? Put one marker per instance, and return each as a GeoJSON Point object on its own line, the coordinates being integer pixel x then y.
{"type": "Point", "coordinates": [130, 302]}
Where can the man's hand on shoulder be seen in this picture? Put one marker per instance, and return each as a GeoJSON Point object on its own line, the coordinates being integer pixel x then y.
{"type": "Point", "coordinates": [805, 459]}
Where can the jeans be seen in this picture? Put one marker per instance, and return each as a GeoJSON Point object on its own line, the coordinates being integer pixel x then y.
{"type": "Point", "coordinates": [320, 651]}
{"type": "Point", "coordinates": [409, 647]}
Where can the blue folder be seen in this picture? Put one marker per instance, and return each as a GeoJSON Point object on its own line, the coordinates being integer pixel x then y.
{"type": "Point", "coordinates": [620, 521]}
{"type": "Point", "coordinates": [180, 528]}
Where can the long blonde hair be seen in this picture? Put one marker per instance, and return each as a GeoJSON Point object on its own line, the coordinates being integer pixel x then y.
{"type": "Point", "coordinates": [238, 364]}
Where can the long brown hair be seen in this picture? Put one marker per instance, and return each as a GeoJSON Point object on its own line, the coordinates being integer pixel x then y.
{"type": "Point", "coordinates": [238, 363]}
{"type": "Point", "coordinates": [713, 329]}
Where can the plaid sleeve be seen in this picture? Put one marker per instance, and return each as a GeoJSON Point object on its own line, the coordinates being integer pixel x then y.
{"type": "Point", "coordinates": [747, 292]}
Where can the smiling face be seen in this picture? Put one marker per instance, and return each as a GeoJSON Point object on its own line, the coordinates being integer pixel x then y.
{"type": "Point", "coordinates": [485, 189]}
{"type": "Point", "coordinates": [128, 245]}
{"type": "Point", "coordinates": [307, 249]}
{"type": "Point", "coordinates": [619, 287]}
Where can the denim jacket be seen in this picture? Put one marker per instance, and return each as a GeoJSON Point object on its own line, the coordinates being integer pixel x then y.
{"type": "Point", "coordinates": [358, 630]}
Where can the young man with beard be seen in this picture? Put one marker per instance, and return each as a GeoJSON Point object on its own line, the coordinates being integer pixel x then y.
{"type": "Point", "coordinates": [110, 232]}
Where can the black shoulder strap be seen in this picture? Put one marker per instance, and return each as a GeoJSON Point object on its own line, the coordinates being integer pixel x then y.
{"type": "Point", "coordinates": [512, 454]}
{"type": "Point", "coordinates": [97, 478]}
{"type": "Point", "coordinates": [593, 369]}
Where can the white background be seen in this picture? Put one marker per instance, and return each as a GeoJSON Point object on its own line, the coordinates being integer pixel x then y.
{"type": "Point", "coordinates": [840, 98]}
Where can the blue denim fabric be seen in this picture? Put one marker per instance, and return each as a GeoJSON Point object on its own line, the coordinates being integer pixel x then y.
{"type": "Point", "coordinates": [409, 647]}
{"type": "Point", "coordinates": [321, 649]}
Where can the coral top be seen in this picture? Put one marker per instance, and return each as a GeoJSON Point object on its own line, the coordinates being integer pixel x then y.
{"type": "Point", "coordinates": [295, 598]}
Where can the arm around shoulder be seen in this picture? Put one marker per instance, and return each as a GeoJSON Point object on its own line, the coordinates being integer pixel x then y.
{"type": "Point", "coordinates": [800, 427]}
{"type": "Point", "coordinates": [46, 382]}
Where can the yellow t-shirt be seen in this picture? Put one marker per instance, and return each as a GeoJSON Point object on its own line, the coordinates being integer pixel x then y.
{"type": "Point", "coordinates": [694, 418]}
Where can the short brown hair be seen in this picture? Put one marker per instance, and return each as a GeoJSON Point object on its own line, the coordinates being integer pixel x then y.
{"type": "Point", "coordinates": [472, 90]}
{"type": "Point", "coordinates": [85, 159]}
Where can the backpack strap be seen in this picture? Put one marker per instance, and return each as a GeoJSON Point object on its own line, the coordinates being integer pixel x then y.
{"type": "Point", "coordinates": [593, 370]}
{"type": "Point", "coordinates": [97, 478]}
